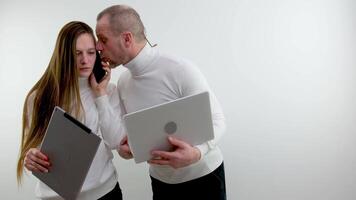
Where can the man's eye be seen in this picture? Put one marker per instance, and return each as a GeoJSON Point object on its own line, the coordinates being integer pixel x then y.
{"type": "Point", "coordinates": [103, 41]}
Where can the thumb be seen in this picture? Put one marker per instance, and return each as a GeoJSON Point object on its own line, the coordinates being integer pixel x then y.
{"type": "Point", "coordinates": [124, 140]}
{"type": "Point", "coordinates": [92, 80]}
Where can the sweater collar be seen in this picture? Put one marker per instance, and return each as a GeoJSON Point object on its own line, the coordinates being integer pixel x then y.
{"type": "Point", "coordinates": [83, 82]}
{"type": "Point", "coordinates": [139, 65]}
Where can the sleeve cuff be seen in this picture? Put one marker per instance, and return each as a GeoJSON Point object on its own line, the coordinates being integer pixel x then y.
{"type": "Point", "coordinates": [203, 148]}
{"type": "Point", "coordinates": [102, 101]}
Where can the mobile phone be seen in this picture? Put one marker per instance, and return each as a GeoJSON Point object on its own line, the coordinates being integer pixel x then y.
{"type": "Point", "coordinates": [98, 70]}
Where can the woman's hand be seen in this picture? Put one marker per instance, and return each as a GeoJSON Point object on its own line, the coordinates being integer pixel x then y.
{"type": "Point", "coordinates": [36, 161]}
{"type": "Point", "coordinates": [124, 149]}
{"type": "Point", "coordinates": [100, 88]}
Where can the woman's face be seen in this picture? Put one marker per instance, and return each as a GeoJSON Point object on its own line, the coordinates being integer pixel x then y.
{"type": "Point", "coordinates": [86, 54]}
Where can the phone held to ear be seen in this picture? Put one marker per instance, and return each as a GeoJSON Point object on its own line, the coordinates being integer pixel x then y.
{"type": "Point", "coordinates": [98, 70]}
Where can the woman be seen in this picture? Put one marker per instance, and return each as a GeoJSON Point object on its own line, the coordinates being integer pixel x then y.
{"type": "Point", "coordinates": [68, 82]}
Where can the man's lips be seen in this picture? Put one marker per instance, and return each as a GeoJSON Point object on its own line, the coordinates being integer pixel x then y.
{"type": "Point", "coordinates": [106, 60]}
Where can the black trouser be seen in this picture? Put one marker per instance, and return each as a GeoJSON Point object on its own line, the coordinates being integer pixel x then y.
{"type": "Point", "coordinates": [114, 194]}
{"type": "Point", "coordinates": [210, 186]}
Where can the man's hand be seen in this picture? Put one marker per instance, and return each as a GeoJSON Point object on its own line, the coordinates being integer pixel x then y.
{"type": "Point", "coordinates": [183, 155]}
{"type": "Point", "coordinates": [124, 149]}
{"type": "Point", "coordinates": [36, 161]}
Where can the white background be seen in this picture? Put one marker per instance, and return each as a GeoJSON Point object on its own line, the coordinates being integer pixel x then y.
{"type": "Point", "coordinates": [283, 70]}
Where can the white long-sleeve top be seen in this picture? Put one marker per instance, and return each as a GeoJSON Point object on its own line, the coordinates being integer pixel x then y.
{"type": "Point", "coordinates": [102, 116]}
{"type": "Point", "coordinates": [153, 78]}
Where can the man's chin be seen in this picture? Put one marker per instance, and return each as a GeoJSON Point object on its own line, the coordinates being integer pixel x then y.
{"type": "Point", "coordinates": [113, 66]}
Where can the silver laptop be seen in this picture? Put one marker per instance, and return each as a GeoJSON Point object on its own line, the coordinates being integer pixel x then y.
{"type": "Point", "coordinates": [71, 147]}
{"type": "Point", "coordinates": [188, 119]}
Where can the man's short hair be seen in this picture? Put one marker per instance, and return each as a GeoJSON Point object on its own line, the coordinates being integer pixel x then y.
{"type": "Point", "coordinates": [124, 18]}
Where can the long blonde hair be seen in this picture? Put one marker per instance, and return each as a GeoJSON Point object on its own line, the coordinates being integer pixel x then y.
{"type": "Point", "coordinates": [58, 86]}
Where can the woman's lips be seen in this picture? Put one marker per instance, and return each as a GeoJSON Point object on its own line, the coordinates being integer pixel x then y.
{"type": "Point", "coordinates": [84, 68]}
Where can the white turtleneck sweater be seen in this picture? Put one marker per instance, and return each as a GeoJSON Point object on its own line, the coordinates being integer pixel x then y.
{"type": "Point", "coordinates": [102, 116]}
{"type": "Point", "coordinates": [154, 78]}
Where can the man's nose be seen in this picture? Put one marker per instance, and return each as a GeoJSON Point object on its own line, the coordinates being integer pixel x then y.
{"type": "Point", "coordinates": [99, 47]}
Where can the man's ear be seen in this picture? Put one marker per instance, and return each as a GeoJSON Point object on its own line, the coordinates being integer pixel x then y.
{"type": "Point", "coordinates": [128, 39]}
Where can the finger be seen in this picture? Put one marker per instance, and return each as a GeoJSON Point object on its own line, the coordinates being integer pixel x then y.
{"type": "Point", "coordinates": [125, 148]}
{"type": "Point", "coordinates": [93, 80]}
{"type": "Point", "coordinates": [177, 142]}
{"type": "Point", "coordinates": [164, 154]}
{"type": "Point", "coordinates": [36, 160]}
{"type": "Point", "coordinates": [41, 155]}
{"type": "Point", "coordinates": [27, 162]}
{"type": "Point", "coordinates": [31, 168]}
{"type": "Point", "coordinates": [105, 64]}
{"type": "Point", "coordinates": [159, 162]}
{"type": "Point", "coordinates": [30, 155]}
{"type": "Point", "coordinates": [43, 163]}
{"type": "Point", "coordinates": [107, 69]}
{"type": "Point", "coordinates": [129, 153]}
{"type": "Point", "coordinates": [34, 155]}
{"type": "Point", "coordinates": [125, 154]}
{"type": "Point", "coordinates": [31, 152]}
{"type": "Point", "coordinates": [107, 74]}
{"type": "Point", "coordinates": [40, 167]}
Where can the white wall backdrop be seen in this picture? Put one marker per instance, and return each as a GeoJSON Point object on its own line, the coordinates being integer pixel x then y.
{"type": "Point", "coordinates": [283, 70]}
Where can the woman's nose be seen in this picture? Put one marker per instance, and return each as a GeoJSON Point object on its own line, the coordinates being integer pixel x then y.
{"type": "Point", "coordinates": [84, 59]}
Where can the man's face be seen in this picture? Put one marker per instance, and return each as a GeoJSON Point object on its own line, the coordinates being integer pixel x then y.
{"type": "Point", "coordinates": [109, 44]}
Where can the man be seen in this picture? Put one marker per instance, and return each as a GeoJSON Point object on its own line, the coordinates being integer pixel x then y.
{"type": "Point", "coordinates": [189, 172]}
